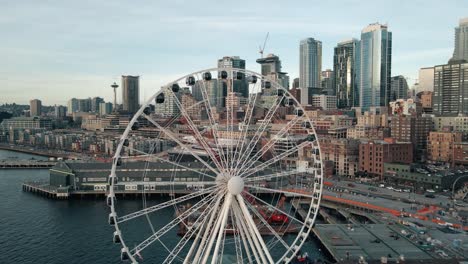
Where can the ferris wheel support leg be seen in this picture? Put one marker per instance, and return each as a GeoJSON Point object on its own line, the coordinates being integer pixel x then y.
{"type": "Point", "coordinates": [245, 234]}
{"type": "Point", "coordinates": [225, 213]}
{"type": "Point", "coordinates": [205, 235]}
{"type": "Point", "coordinates": [214, 232]}
{"type": "Point", "coordinates": [254, 229]}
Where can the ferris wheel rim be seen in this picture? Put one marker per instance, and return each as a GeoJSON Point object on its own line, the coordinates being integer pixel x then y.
{"type": "Point", "coordinates": [309, 220]}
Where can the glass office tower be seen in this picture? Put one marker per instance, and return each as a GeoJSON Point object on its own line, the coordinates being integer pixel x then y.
{"type": "Point", "coordinates": [375, 63]}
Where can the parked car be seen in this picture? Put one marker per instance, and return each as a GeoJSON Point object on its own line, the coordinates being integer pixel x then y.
{"type": "Point", "coordinates": [430, 191]}
{"type": "Point", "coordinates": [382, 185]}
{"type": "Point", "coordinates": [390, 187]}
{"type": "Point", "coordinates": [430, 195]}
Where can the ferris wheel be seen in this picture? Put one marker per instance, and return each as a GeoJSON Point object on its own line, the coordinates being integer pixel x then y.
{"type": "Point", "coordinates": [239, 159]}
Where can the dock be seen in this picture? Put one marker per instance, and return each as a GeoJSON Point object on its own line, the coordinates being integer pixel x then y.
{"type": "Point", "coordinates": [26, 164]}
{"type": "Point", "coordinates": [44, 189]}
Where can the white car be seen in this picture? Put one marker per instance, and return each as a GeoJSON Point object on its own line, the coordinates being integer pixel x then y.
{"type": "Point", "coordinates": [430, 191]}
{"type": "Point", "coordinates": [382, 186]}
{"type": "Point", "coordinates": [407, 190]}
{"type": "Point", "coordinates": [390, 187]}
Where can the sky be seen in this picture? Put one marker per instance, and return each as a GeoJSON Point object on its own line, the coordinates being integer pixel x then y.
{"type": "Point", "coordinates": [57, 50]}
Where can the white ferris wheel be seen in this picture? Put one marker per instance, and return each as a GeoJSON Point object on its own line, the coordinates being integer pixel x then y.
{"type": "Point", "coordinates": [238, 157]}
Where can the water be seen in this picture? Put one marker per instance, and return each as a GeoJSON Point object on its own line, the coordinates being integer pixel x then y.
{"type": "Point", "coordinates": [34, 229]}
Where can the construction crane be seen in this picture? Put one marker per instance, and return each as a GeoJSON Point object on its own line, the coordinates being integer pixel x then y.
{"type": "Point", "coordinates": [261, 49]}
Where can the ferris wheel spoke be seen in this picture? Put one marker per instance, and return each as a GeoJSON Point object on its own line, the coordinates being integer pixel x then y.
{"type": "Point", "coordinates": [246, 124]}
{"type": "Point", "coordinates": [237, 237]}
{"type": "Point", "coordinates": [219, 226]}
{"type": "Point", "coordinates": [188, 258]}
{"type": "Point", "coordinates": [254, 231]}
{"type": "Point", "coordinates": [242, 236]}
{"type": "Point", "coordinates": [281, 191]}
{"type": "Point", "coordinates": [267, 225]}
{"type": "Point", "coordinates": [176, 221]}
{"type": "Point", "coordinates": [173, 137]}
{"type": "Point", "coordinates": [200, 139]}
{"type": "Point", "coordinates": [249, 243]}
{"type": "Point", "coordinates": [196, 227]}
{"type": "Point", "coordinates": [274, 160]}
{"type": "Point", "coordinates": [149, 157]}
{"type": "Point", "coordinates": [213, 122]}
{"type": "Point", "coordinates": [271, 176]}
{"type": "Point", "coordinates": [273, 140]}
{"type": "Point", "coordinates": [258, 134]}
{"type": "Point", "coordinates": [163, 205]}
{"type": "Point", "coordinates": [275, 208]}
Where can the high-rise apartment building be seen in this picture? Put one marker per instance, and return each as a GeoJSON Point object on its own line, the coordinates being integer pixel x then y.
{"type": "Point", "coordinates": [60, 111]}
{"type": "Point", "coordinates": [426, 79]}
{"type": "Point", "coordinates": [95, 102]}
{"type": "Point", "coordinates": [327, 82]}
{"type": "Point", "coordinates": [295, 83]}
{"type": "Point", "coordinates": [399, 88]}
{"type": "Point", "coordinates": [461, 41]}
{"type": "Point", "coordinates": [35, 107]}
{"type": "Point", "coordinates": [271, 67]}
{"type": "Point", "coordinates": [310, 68]}
{"type": "Point", "coordinates": [130, 93]}
{"type": "Point", "coordinates": [105, 108]}
{"type": "Point", "coordinates": [73, 106]}
{"type": "Point", "coordinates": [414, 129]}
{"type": "Point", "coordinates": [344, 64]}
{"type": "Point", "coordinates": [375, 61]}
{"type": "Point", "coordinates": [84, 105]}
{"type": "Point", "coordinates": [169, 107]}
{"type": "Point", "coordinates": [450, 96]}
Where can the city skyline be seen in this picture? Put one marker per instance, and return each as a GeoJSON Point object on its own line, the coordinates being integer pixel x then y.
{"type": "Point", "coordinates": [87, 51]}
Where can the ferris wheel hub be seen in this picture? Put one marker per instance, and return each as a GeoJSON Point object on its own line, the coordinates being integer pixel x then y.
{"type": "Point", "coordinates": [235, 185]}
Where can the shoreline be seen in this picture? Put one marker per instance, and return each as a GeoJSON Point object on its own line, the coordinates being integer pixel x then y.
{"type": "Point", "coordinates": [34, 152]}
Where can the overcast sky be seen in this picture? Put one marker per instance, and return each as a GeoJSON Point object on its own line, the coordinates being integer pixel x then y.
{"type": "Point", "coordinates": [56, 50]}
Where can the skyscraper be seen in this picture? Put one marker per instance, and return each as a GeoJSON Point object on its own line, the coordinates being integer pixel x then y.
{"type": "Point", "coordinates": [461, 41]}
{"type": "Point", "coordinates": [327, 82]}
{"type": "Point", "coordinates": [60, 111]}
{"type": "Point", "coordinates": [35, 107]}
{"type": "Point", "coordinates": [73, 106]}
{"type": "Point", "coordinates": [375, 63]}
{"type": "Point", "coordinates": [344, 68]}
{"type": "Point", "coordinates": [271, 67]}
{"type": "Point", "coordinates": [84, 105]}
{"type": "Point", "coordinates": [169, 107]}
{"type": "Point", "coordinates": [130, 93]}
{"type": "Point", "coordinates": [426, 79]}
{"type": "Point", "coordinates": [310, 68]}
{"type": "Point", "coordinates": [240, 85]}
{"type": "Point", "coordinates": [399, 88]}
{"type": "Point", "coordinates": [105, 108]}
{"type": "Point", "coordinates": [95, 104]}
{"type": "Point", "coordinates": [450, 89]}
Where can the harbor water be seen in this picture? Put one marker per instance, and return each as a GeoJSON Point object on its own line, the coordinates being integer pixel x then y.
{"type": "Point", "coordinates": [34, 229]}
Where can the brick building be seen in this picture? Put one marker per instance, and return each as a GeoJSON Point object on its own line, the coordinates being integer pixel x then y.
{"type": "Point", "coordinates": [440, 145]}
{"type": "Point", "coordinates": [374, 153]}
